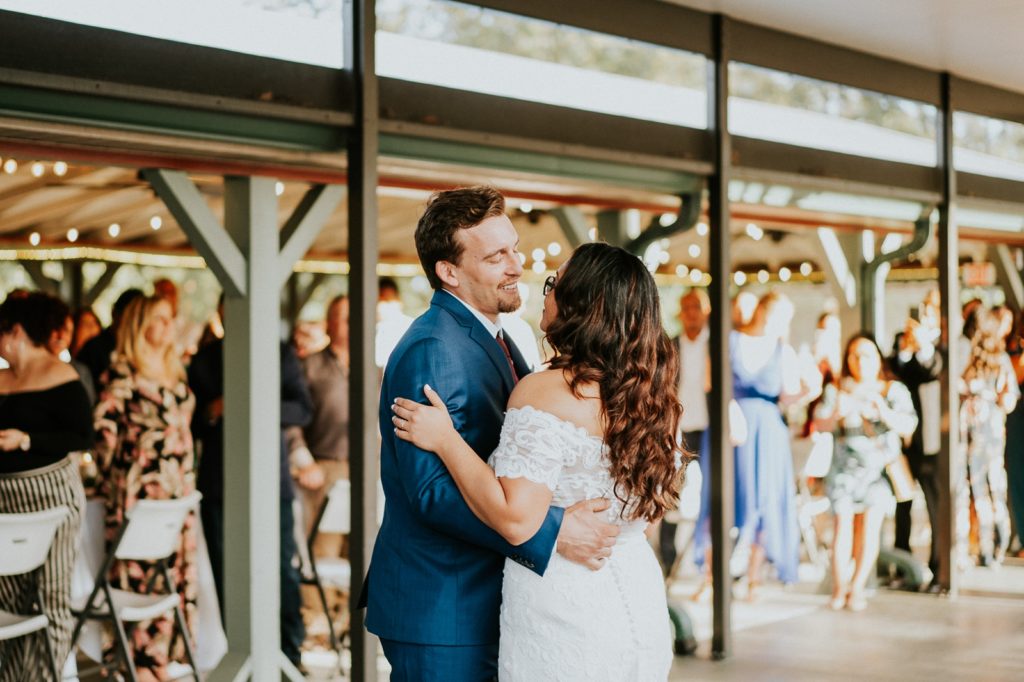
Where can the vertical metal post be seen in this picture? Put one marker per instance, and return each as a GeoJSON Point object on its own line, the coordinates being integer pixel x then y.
{"type": "Point", "coordinates": [252, 406]}
{"type": "Point", "coordinates": [72, 288]}
{"type": "Point", "coordinates": [722, 474]}
{"type": "Point", "coordinates": [363, 253]}
{"type": "Point", "coordinates": [950, 457]}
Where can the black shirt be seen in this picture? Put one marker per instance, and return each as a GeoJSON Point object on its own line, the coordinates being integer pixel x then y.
{"type": "Point", "coordinates": [58, 420]}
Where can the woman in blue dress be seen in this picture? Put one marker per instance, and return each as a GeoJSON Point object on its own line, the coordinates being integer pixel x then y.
{"type": "Point", "coordinates": [766, 374]}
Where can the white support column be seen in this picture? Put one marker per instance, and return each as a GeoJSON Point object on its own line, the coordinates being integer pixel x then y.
{"type": "Point", "coordinates": [1008, 275]}
{"type": "Point", "coordinates": [252, 405]}
{"type": "Point", "coordinates": [251, 266]}
{"type": "Point", "coordinates": [843, 256]}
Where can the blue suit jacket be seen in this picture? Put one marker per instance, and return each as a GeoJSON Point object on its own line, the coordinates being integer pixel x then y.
{"type": "Point", "coordinates": [436, 571]}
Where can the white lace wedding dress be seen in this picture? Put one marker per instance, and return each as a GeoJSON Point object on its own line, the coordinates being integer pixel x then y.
{"type": "Point", "coordinates": [574, 623]}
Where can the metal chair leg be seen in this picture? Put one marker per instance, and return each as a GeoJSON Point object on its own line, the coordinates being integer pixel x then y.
{"type": "Point", "coordinates": [327, 613]}
{"type": "Point", "coordinates": [122, 637]}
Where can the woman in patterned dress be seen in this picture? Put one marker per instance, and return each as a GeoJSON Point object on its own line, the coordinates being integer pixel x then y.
{"type": "Point", "coordinates": [144, 451]}
{"type": "Point", "coordinates": [869, 414]}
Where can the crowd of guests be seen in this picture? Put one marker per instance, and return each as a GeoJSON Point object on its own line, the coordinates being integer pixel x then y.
{"type": "Point", "coordinates": [152, 419]}
{"type": "Point", "coordinates": [126, 410]}
{"type": "Point", "coordinates": [881, 414]}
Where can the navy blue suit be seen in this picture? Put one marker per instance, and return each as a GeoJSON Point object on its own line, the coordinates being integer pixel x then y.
{"type": "Point", "coordinates": [434, 583]}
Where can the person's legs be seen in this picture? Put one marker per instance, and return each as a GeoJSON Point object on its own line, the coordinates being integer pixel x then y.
{"type": "Point", "coordinates": [211, 513]}
{"type": "Point", "coordinates": [293, 631]}
{"type": "Point", "coordinates": [930, 488]}
{"type": "Point", "coordinates": [903, 509]}
{"type": "Point", "coordinates": [866, 556]}
{"type": "Point", "coordinates": [429, 663]}
{"type": "Point", "coordinates": [1001, 512]}
{"type": "Point", "coordinates": [842, 550]}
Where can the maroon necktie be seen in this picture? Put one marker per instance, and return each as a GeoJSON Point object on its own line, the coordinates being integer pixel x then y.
{"type": "Point", "coordinates": [508, 356]}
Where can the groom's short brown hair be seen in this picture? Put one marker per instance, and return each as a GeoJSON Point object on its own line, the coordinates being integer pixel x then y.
{"type": "Point", "coordinates": [448, 212]}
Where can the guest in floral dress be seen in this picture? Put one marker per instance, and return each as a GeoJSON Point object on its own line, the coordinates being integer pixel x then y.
{"type": "Point", "coordinates": [869, 415]}
{"type": "Point", "coordinates": [144, 451]}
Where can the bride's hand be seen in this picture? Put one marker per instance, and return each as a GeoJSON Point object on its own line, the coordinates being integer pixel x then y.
{"type": "Point", "coordinates": [428, 427]}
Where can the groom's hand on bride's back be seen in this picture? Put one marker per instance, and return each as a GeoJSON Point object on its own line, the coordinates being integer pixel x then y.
{"type": "Point", "coordinates": [584, 537]}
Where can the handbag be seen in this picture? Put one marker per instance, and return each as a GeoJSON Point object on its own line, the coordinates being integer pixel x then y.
{"type": "Point", "coordinates": [900, 478]}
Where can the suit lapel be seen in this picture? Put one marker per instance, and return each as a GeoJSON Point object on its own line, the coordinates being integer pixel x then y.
{"type": "Point", "coordinates": [478, 333]}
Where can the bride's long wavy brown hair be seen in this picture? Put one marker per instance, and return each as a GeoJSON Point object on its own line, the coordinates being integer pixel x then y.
{"type": "Point", "coordinates": [608, 332]}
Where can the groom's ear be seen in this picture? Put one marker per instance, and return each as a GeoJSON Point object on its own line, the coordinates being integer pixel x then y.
{"type": "Point", "coordinates": [447, 273]}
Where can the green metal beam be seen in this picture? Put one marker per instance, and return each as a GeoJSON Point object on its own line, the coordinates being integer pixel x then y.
{"type": "Point", "coordinates": [445, 151]}
{"type": "Point", "coordinates": [109, 112]}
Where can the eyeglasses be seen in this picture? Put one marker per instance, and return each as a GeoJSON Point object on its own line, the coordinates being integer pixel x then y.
{"type": "Point", "coordinates": [549, 284]}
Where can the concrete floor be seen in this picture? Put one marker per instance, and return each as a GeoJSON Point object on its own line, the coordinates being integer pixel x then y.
{"type": "Point", "coordinates": [900, 636]}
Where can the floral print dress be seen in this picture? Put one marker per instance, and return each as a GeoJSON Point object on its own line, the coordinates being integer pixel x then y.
{"type": "Point", "coordinates": [144, 451]}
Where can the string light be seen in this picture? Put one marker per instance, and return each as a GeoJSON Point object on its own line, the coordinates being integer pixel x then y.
{"type": "Point", "coordinates": [554, 248]}
{"type": "Point", "coordinates": [526, 207]}
{"type": "Point", "coordinates": [10, 166]}
{"type": "Point", "coordinates": [156, 222]}
{"type": "Point", "coordinates": [740, 278]}
{"type": "Point", "coordinates": [538, 254]}
{"type": "Point", "coordinates": [38, 169]}
{"type": "Point", "coordinates": [666, 219]}
{"type": "Point", "coordinates": [539, 267]}
{"type": "Point", "coordinates": [702, 229]}
{"type": "Point", "coordinates": [279, 188]}
{"type": "Point", "coordinates": [694, 251]}
{"type": "Point", "coordinates": [73, 235]}
{"type": "Point", "coordinates": [784, 274]}
{"type": "Point", "coordinates": [60, 169]}
{"type": "Point", "coordinates": [762, 276]}
{"type": "Point", "coordinates": [754, 232]}
{"type": "Point", "coordinates": [114, 230]}
{"type": "Point", "coordinates": [33, 239]}
{"type": "Point", "coordinates": [806, 269]}
{"type": "Point", "coordinates": [682, 271]}
{"type": "Point", "coordinates": [696, 276]}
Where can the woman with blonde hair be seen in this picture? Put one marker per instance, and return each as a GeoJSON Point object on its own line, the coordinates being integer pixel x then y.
{"type": "Point", "coordinates": [144, 450]}
{"type": "Point", "coordinates": [766, 374]}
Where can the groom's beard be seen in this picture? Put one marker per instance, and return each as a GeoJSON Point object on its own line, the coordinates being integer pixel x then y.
{"type": "Point", "coordinates": [510, 304]}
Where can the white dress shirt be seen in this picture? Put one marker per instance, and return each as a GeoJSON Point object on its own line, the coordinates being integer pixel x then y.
{"type": "Point", "coordinates": [693, 358]}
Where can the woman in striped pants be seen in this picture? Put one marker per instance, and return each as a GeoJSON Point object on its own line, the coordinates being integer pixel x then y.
{"type": "Point", "coordinates": [44, 415]}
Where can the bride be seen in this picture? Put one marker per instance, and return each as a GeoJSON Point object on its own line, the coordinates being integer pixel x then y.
{"type": "Point", "coordinates": [600, 422]}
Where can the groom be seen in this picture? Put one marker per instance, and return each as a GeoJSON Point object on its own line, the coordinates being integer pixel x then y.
{"type": "Point", "coordinates": [434, 584]}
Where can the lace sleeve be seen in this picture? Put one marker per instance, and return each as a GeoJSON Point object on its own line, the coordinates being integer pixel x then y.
{"type": "Point", "coordinates": [529, 448]}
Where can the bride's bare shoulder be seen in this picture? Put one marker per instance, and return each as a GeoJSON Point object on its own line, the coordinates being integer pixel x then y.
{"type": "Point", "coordinates": [549, 391]}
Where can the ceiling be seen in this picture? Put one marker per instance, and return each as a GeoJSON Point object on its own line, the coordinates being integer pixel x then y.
{"type": "Point", "coordinates": [978, 40]}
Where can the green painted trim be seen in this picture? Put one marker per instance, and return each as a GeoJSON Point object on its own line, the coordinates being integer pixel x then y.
{"type": "Point", "coordinates": [49, 105]}
{"type": "Point", "coordinates": [640, 177]}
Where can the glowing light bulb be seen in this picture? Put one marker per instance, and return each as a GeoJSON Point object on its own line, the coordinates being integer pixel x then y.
{"type": "Point", "coordinates": [762, 276]}
{"type": "Point", "coordinates": [554, 248]}
{"type": "Point", "coordinates": [73, 235]}
{"type": "Point", "coordinates": [37, 169]}
{"type": "Point", "coordinates": [156, 222]}
{"type": "Point", "coordinates": [784, 274]}
{"type": "Point", "coordinates": [694, 251]}
{"type": "Point", "coordinates": [114, 229]}
{"type": "Point", "coordinates": [60, 169]}
{"type": "Point", "coordinates": [33, 239]}
{"type": "Point", "coordinates": [740, 278]}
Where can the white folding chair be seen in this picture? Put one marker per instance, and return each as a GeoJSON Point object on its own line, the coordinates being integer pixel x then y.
{"type": "Point", "coordinates": [810, 505]}
{"type": "Point", "coordinates": [334, 517]}
{"type": "Point", "coordinates": [151, 532]}
{"type": "Point", "coordinates": [25, 541]}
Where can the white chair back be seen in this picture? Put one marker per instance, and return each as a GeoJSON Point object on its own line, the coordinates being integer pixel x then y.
{"type": "Point", "coordinates": [154, 528]}
{"type": "Point", "coordinates": [819, 461]}
{"type": "Point", "coordinates": [337, 517]}
{"type": "Point", "coordinates": [25, 539]}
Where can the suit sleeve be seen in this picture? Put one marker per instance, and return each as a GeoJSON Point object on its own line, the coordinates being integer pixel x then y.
{"type": "Point", "coordinates": [429, 487]}
{"type": "Point", "coordinates": [296, 403]}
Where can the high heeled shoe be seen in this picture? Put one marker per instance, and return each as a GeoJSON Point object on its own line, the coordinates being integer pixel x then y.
{"type": "Point", "coordinates": [856, 602]}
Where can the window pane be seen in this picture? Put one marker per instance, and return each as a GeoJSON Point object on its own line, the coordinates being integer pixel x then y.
{"type": "Point", "coordinates": [988, 146]}
{"type": "Point", "coordinates": [305, 31]}
{"type": "Point", "coordinates": [772, 105]}
{"type": "Point", "coordinates": [461, 46]}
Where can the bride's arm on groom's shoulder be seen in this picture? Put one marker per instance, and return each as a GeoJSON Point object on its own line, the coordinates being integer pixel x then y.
{"type": "Point", "coordinates": [514, 507]}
